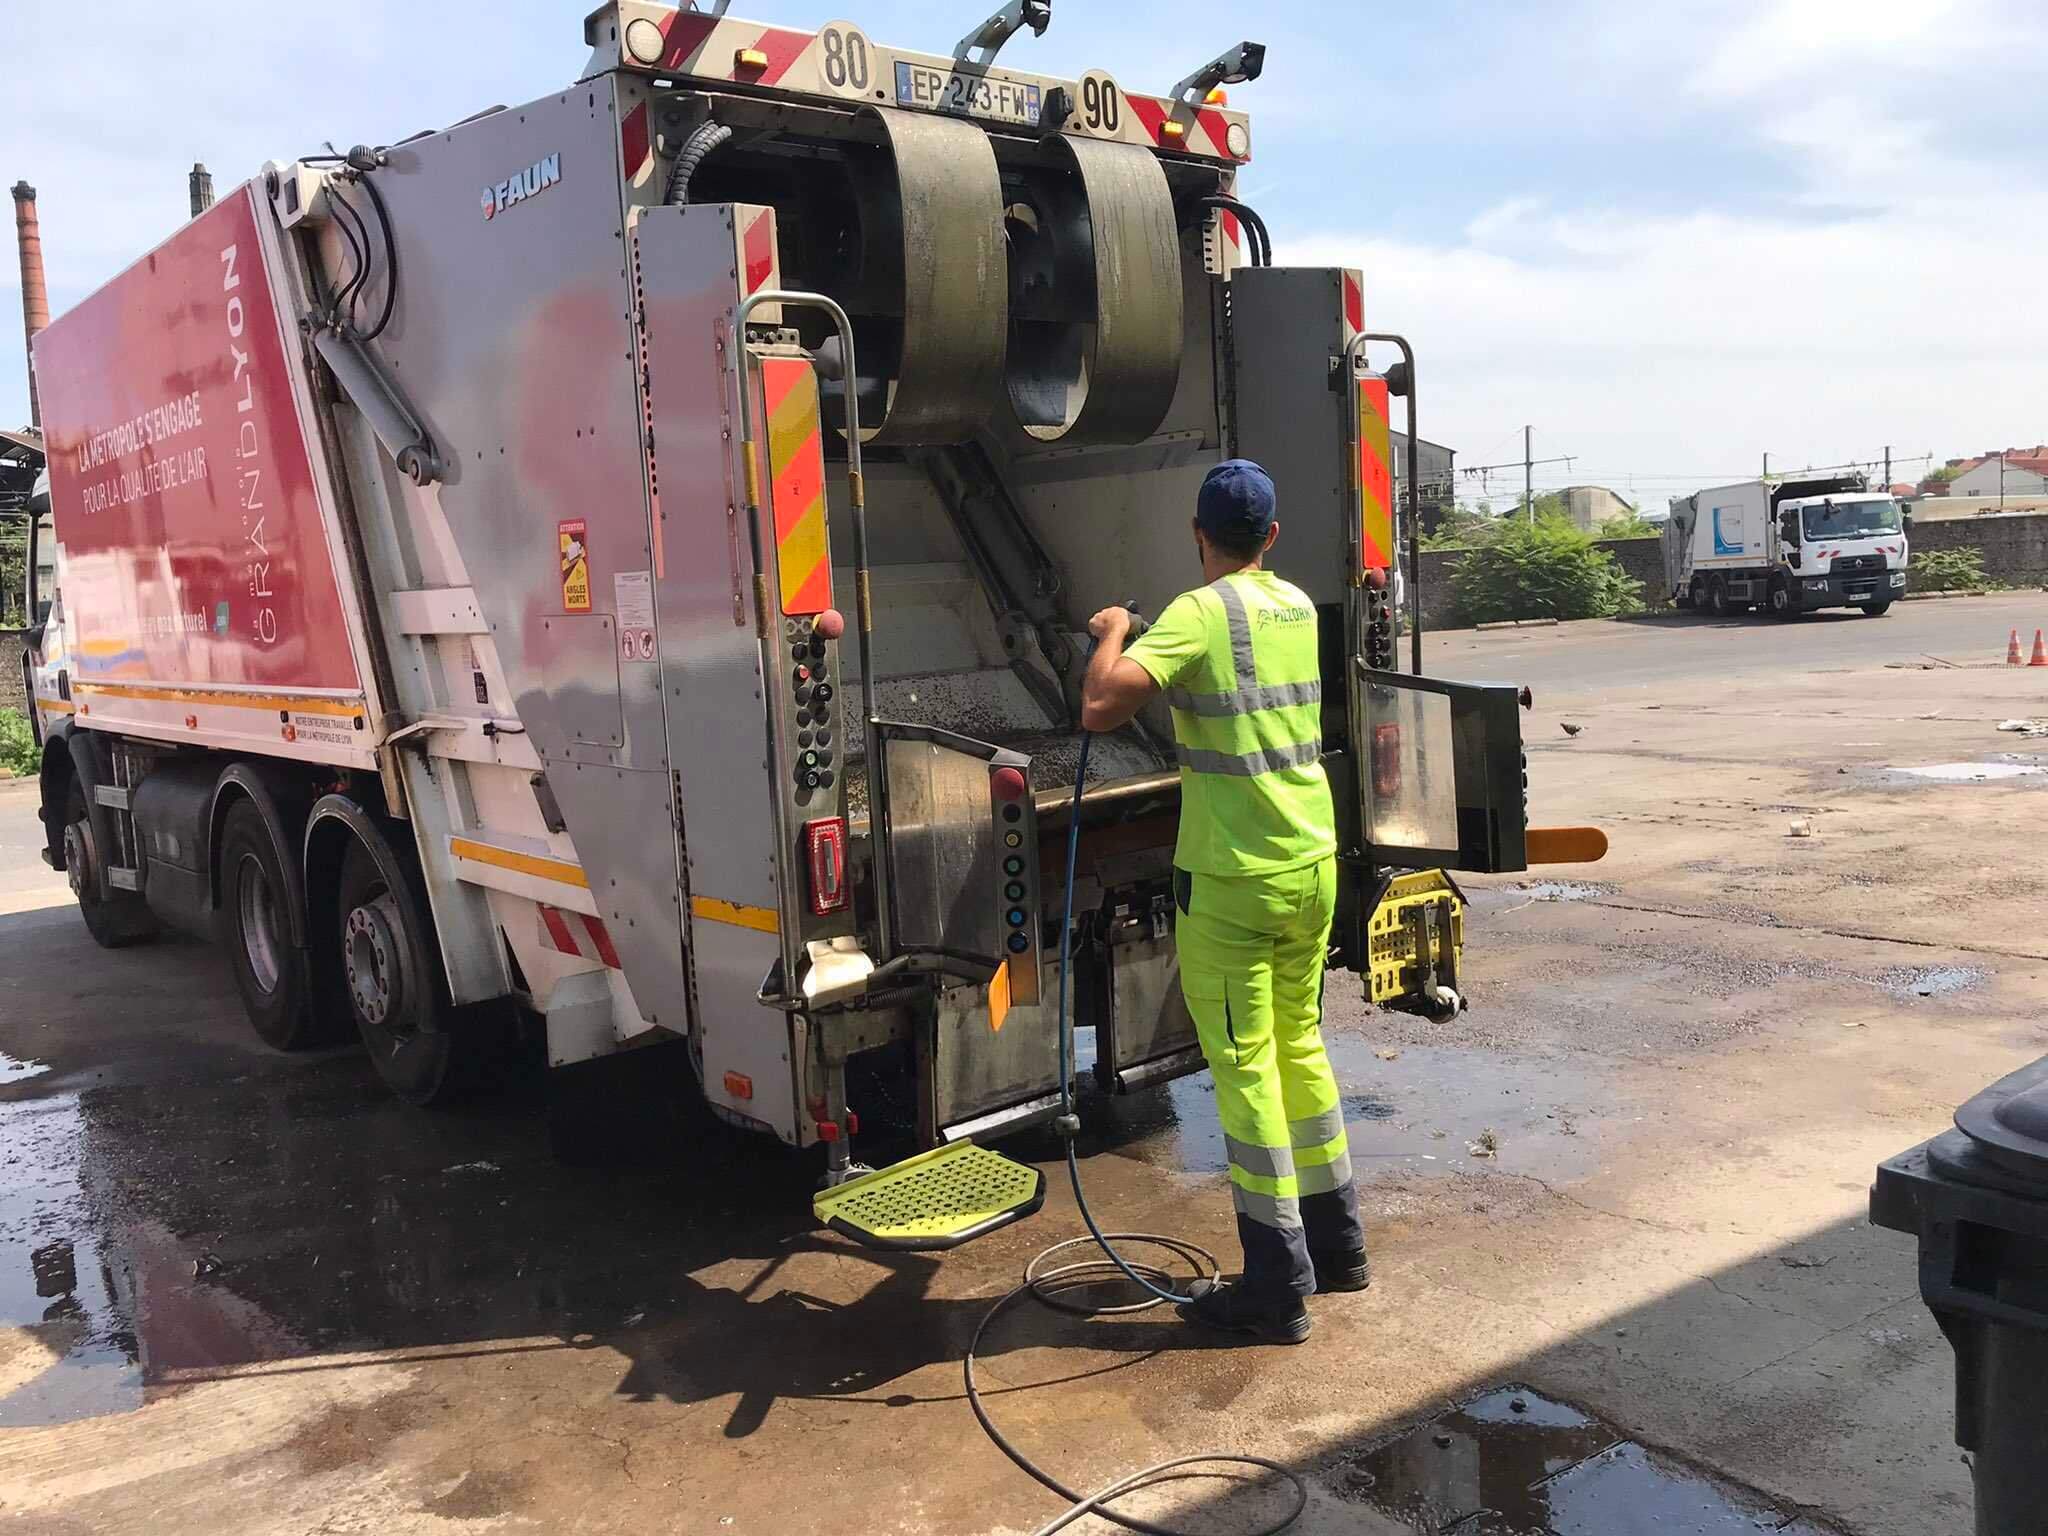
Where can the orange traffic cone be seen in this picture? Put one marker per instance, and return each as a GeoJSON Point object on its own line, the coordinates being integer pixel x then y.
{"type": "Point", "coordinates": [2040, 656]}
{"type": "Point", "coordinates": [2012, 649]}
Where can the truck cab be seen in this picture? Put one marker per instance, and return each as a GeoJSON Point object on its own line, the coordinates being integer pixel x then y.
{"type": "Point", "coordinates": [1837, 551]}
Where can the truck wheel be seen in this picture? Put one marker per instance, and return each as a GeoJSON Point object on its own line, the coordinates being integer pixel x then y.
{"type": "Point", "coordinates": [270, 971]}
{"type": "Point", "coordinates": [1784, 601]}
{"type": "Point", "coordinates": [1717, 597]}
{"type": "Point", "coordinates": [1874, 610]}
{"type": "Point", "coordinates": [387, 965]}
{"type": "Point", "coordinates": [115, 919]}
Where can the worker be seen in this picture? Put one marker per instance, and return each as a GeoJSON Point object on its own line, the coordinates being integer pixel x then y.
{"type": "Point", "coordinates": [1255, 882]}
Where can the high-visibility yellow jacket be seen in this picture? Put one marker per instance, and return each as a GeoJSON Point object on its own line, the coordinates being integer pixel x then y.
{"type": "Point", "coordinates": [1238, 663]}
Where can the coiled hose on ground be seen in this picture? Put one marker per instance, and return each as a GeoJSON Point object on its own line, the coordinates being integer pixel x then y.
{"type": "Point", "coordinates": [1050, 1286]}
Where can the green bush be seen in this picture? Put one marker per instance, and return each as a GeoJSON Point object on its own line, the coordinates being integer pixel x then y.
{"type": "Point", "coordinates": [1630, 525]}
{"type": "Point", "coordinates": [1948, 570]}
{"type": "Point", "coordinates": [1542, 570]}
{"type": "Point", "coordinates": [18, 751]}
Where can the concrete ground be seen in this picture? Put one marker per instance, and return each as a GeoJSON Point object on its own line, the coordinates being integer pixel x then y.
{"type": "Point", "coordinates": [243, 1292]}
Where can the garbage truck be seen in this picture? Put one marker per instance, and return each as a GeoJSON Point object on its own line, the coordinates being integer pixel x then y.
{"type": "Point", "coordinates": [627, 556]}
{"type": "Point", "coordinates": [1786, 547]}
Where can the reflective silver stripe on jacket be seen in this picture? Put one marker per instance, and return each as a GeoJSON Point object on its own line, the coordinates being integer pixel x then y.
{"type": "Point", "coordinates": [1242, 701]}
{"type": "Point", "coordinates": [1250, 764]}
{"type": "Point", "coordinates": [1240, 632]}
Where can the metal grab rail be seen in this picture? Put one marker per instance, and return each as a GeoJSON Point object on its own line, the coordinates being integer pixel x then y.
{"type": "Point", "coordinates": [857, 502]}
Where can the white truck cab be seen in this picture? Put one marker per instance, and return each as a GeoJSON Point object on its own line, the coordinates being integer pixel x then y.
{"type": "Point", "coordinates": [1787, 547]}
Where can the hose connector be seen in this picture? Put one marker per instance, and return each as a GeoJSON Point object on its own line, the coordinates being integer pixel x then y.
{"type": "Point", "coordinates": [1067, 1126]}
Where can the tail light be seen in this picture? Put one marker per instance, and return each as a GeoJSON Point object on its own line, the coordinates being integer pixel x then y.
{"type": "Point", "coordinates": [825, 852]}
{"type": "Point", "coordinates": [1386, 760]}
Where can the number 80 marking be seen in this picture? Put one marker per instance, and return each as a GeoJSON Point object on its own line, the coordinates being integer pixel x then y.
{"type": "Point", "coordinates": [846, 58]}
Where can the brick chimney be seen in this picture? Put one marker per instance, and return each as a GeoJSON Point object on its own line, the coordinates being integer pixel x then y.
{"type": "Point", "coordinates": [35, 298]}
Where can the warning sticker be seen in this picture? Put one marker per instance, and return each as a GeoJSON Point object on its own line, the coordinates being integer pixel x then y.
{"type": "Point", "coordinates": [575, 566]}
{"type": "Point", "coordinates": [636, 645]}
{"type": "Point", "coordinates": [633, 598]}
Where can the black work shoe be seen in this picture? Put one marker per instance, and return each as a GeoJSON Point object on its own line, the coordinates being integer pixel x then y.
{"type": "Point", "coordinates": [1341, 1272]}
{"type": "Point", "coordinates": [1219, 1304]}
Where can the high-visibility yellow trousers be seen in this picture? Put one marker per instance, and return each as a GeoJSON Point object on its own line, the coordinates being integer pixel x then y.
{"type": "Point", "coordinates": [1251, 968]}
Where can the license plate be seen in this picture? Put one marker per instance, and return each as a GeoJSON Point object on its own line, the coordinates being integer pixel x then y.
{"type": "Point", "coordinates": [941, 90]}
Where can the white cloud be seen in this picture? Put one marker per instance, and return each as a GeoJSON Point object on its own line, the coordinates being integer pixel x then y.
{"type": "Point", "coordinates": [1885, 293]}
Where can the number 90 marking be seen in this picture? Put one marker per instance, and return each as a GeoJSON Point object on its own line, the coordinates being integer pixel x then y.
{"type": "Point", "coordinates": [1101, 104]}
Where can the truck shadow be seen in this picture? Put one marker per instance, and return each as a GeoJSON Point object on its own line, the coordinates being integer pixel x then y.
{"type": "Point", "coordinates": [189, 1203]}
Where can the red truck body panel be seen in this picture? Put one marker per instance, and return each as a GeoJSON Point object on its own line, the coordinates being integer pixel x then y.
{"type": "Point", "coordinates": [196, 551]}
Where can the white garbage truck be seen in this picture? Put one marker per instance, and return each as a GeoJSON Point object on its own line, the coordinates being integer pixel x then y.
{"type": "Point", "coordinates": [1786, 547]}
{"type": "Point", "coordinates": [621, 562]}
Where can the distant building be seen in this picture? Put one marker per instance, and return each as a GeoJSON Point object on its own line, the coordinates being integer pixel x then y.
{"type": "Point", "coordinates": [1588, 506]}
{"type": "Point", "coordinates": [1435, 467]}
{"type": "Point", "coordinates": [2025, 469]}
{"type": "Point", "coordinates": [2013, 472]}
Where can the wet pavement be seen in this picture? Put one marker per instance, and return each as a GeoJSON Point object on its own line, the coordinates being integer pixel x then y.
{"type": "Point", "coordinates": [247, 1292]}
{"type": "Point", "coordinates": [1515, 1463]}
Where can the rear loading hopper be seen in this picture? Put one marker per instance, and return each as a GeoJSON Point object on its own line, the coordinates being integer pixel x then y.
{"type": "Point", "coordinates": [721, 458]}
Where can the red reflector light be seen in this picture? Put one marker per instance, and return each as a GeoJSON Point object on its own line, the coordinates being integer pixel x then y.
{"type": "Point", "coordinates": [739, 1085]}
{"type": "Point", "coordinates": [1386, 759]}
{"type": "Point", "coordinates": [1007, 784]}
{"type": "Point", "coordinates": [825, 853]}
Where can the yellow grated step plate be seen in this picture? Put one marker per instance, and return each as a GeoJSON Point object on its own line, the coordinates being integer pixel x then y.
{"type": "Point", "coordinates": [938, 1199]}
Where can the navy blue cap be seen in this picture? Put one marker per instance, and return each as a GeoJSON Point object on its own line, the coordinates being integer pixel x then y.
{"type": "Point", "coordinates": [1236, 501]}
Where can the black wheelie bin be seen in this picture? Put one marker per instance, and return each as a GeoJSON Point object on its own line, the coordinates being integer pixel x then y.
{"type": "Point", "coordinates": [1977, 1199]}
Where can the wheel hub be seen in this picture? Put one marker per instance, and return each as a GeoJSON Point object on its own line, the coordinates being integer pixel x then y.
{"type": "Point", "coordinates": [376, 969]}
{"type": "Point", "coordinates": [257, 908]}
{"type": "Point", "coordinates": [80, 864]}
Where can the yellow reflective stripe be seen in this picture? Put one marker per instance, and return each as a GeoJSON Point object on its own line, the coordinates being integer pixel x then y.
{"type": "Point", "coordinates": [300, 703]}
{"type": "Point", "coordinates": [541, 868]}
{"type": "Point", "coordinates": [713, 910]}
{"type": "Point", "coordinates": [796, 461]}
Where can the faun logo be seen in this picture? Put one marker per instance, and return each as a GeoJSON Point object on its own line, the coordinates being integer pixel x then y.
{"type": "Point", "coordinates": [521, 185]}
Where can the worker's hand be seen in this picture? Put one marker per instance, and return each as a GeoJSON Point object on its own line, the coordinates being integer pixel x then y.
{"type": "Point", "coordinates": [1111, 624]}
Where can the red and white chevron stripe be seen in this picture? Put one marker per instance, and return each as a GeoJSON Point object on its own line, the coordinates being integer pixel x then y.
{"type": "Point", "coordinates": [574, 933]}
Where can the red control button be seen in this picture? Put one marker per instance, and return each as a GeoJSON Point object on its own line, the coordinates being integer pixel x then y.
{"type": "Point", "coordinates": [1007, 784]}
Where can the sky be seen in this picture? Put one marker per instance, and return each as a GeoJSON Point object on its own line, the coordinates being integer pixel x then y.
{"type": "Point", "coordinates": [1670, 238]}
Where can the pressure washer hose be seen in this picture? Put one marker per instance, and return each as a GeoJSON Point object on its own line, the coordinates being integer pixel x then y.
{"type": "Point", "coordinates": [1050, 1285]}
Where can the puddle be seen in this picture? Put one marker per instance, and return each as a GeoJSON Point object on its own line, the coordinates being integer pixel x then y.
{"type": "Point", "coordinates": [67, 1336]}
{"type": "Point", "coordinates": [1421, 1112]}
{"type": "Point", "coordinates": [1932, 981]}
{"type": "Point", "coordinates": [1973, 773]}
{"type": "Point", "coordinates": [1493, 898]}
{"type": "Point", "coordinates": [14, 1070]}
{"type": "Point", "coordinates": [1515, 1463]}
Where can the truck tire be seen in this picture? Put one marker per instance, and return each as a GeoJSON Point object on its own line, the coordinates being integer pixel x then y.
{"type": "Point", "coordinates": [1877, 610]}
{"type": "Point", "coordinates": [1784, 602]}
{"type": "Point", "coordinates": [1717, 598]}
{"type": "Point", "coordinates": [270, 970]}
{"type": "Point", "coordinates": [390, 971]}
{"type": "Point", "coordinates": [115, 919]}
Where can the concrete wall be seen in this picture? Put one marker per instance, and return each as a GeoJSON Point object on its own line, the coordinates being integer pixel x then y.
{"type": "Point", "coordinates": [2015, 555]}
{"type": "Point", "coordinates": [2015, 548]}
